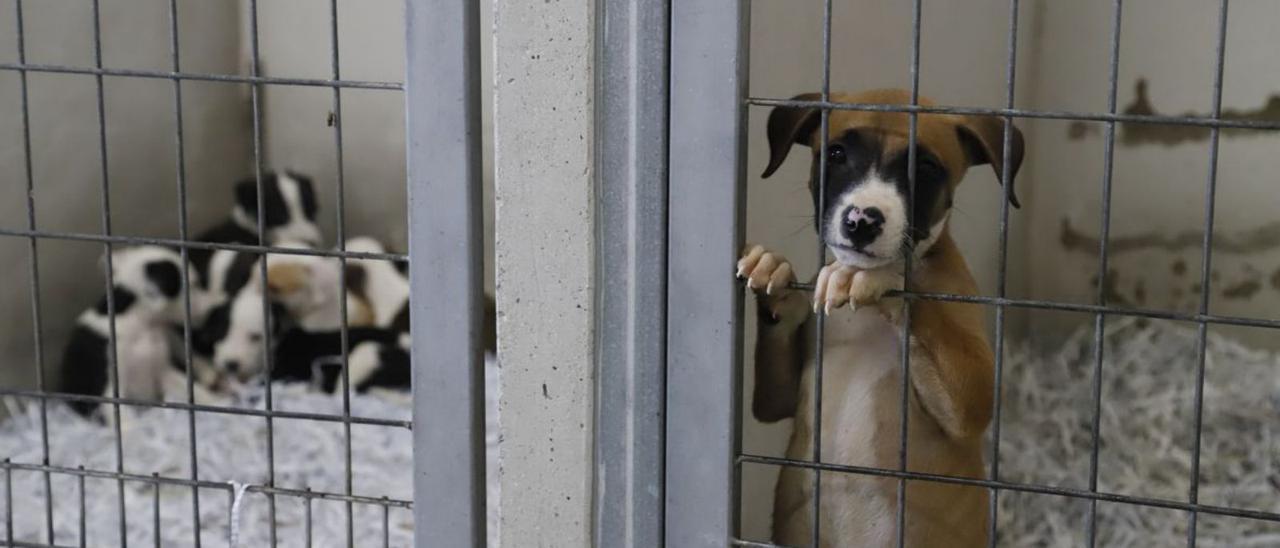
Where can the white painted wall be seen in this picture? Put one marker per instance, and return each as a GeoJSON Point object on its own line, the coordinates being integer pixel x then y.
{"type": "Point", "coordinates": [1158, 190]}
{"type": "Point", "coordinates": [295, 42]}
{"type": "Point", "coordinates": [141, 150]}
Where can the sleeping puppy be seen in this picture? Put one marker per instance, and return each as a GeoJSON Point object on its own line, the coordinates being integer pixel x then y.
{"type": "Point", "coordinates": [375, 359]}
{"type": "Point", "coordinates": [221, 278]}
{"type": "Point", "coordinates": [378, 357]}
{"type": "Point", "coordinates": [301, 290]}
{"type": "Point", "coordinates": [384, 285]}
{"type": "Point", "coordinates": [309, 287]}
{"type": "Point", "coordinates": [146, 296]}
{"type": "Point", "coordinates": [234, 335]}
{"type": "Point", "coordinates": [289, 214]}
{"type": "Point", "coordinates": [868, 227]}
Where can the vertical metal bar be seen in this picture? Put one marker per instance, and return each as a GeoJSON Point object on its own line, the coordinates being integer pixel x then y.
{"type": "Point", "coordinates": [306, 508]}
{"type": "Point", "coordinates": [84, 535]}
{"type": "Point", "coordinates": [175, 64]}
{"type": "Point", "coordinates": [631, 166]}
{"type": "Point", "coordinates": [231, 526]}
{"type": "Point", "coordinates": [1006, 184]}
{"type": "Point", "coordinates": [268, 401]}
{"type": "Point", "coordinates": [442, 107]}
{"type": "Point", "coordinates": [1099, 326]}
{"type": "Point", "coordinates": [8, 503]}
{"type": "Point", "coordinates": [155, 510]}
{"type": "Point", "coordinates": [1206, 268]}
{"type": "Point", "coordinates": [342, 271]}
{"type": "Point", "coordinates": [912, 130]}
{"type": "Point", "coordinates": [1002, 273]}
{"type": "Point", "coordinates": [386, 524]}
{"type": "Point", "coordinates": [704, 304]}
{"type": "Point", "coordinates": [820, 322]}
{"type": "Point", "coordinates": [112, 356]}
{"type": "Point", "coordinates": [34, 270]}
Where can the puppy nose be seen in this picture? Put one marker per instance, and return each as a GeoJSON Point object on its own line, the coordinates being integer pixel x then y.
{"type": "Point", "coordinates": [233, 366]}
{"type": "Point", "coordinates": [862, 226]}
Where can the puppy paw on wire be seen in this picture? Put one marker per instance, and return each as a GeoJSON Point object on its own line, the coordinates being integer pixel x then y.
{"type": "Point", "coordinates": [840, 284]}
{"type": "Point", "coordinates": [770, 276]}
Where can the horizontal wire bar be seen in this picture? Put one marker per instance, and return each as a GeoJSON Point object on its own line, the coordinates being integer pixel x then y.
{"type": "Point", "coordinates": [319, 417]}
{"type": "Point", "coordinates": [1011, 486]}
{"type": "Point", "coordinates": [1024, 113]}
{"type": "Point", "coordinates": [1076, 307]}
{"type": "Point", "coordinates": [23, 544]}
{"type": "Point", "coordinates": [206, 484]}
{"type": "Point", "coordinates": [198, 76]}
{"type": "Point", "coordinates": [145, 240]}
{"type": "Point", "coordinates": [755, 544]}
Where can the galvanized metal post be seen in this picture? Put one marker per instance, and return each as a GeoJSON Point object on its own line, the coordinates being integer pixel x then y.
{"type": "Point", "coordinates": [704, 347]}
{"type": "Point", "coordinates": [442, 112]}
{"type": "Point", "coordinates": [631, 270]}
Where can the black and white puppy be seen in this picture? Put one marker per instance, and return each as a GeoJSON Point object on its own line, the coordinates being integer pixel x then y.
{"type": "Point", "coordinates": [146, 297]}
{"type": "Point", "coordinates": [234, 335]}
{"type": "Point", "coordinates": [302, 291]}
{"type": "Point", "coordinates": [223, 275]}
{"type": "Point", "coordinates": [375, 359]}
{"type": "Point", "coordinates": [309, 289]}
{"type": "Point", "coordinates": [384, 284]}
{"type": "Point", "coordinates": [288, 212]}
{"type": "Point", "coordinates": [228, 272]}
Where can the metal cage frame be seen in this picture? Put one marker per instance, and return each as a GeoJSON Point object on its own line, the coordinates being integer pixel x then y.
{"type": "Point", "coordinates": [442, 112]}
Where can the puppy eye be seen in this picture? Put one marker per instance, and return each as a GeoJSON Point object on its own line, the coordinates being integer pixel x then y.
{"type": "Point", "coordinates": [928, 169]}
{"type": "Point", "coordinates": [835, 153]}
{"type": "Point", "coordinates": [255, 337]}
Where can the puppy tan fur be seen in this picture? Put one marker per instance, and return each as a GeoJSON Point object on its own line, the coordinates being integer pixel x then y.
{"type": "Point", "coordinates": [950, 390]}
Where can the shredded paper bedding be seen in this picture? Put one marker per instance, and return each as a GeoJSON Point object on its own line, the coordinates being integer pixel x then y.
{"type": "Point", "coordinates": [1146, 428]}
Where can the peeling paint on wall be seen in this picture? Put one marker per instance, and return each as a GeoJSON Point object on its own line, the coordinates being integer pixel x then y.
{"type": "Point", "coordinates": [1262, 238]}
{"type": "Point", "coordinates": [1169, 135]}
{"type": "Point", "coordinates": [1242, 290]}
{"type": "Point", "coordinates": [1162, 271]}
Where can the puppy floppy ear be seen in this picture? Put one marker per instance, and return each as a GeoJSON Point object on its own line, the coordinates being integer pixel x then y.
{"type": "Point", "coordinates": [789, 126]}
{"type": "Point", "coordinates": [982, 138]}
{"type": "Point", "coordinates": [247, 195]}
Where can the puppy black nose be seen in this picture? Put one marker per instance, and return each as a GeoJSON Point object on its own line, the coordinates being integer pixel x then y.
{"type": "Point", "coordinates": [862, 226]}
{"type": "Point", "coordinates": [233, 366]}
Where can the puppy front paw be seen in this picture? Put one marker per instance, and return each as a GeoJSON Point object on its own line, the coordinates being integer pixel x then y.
{"type": "Point", "coordinates": [869, 288]}
{"type": "Point", "coordinates": [766, 273]}
{"type": "Point", "coordinates": [769, 275]}
{"type": "Point", "coordinates": [839, 284]}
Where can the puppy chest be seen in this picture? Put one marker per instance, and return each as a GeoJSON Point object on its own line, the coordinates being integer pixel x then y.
{"type": "Point", "coordinates": [861, 391]}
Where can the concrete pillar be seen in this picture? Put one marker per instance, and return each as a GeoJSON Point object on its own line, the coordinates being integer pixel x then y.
{"type": "Point", "coordinates": [542, 134]}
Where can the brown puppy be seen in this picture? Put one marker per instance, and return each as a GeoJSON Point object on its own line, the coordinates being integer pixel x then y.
{"type": "Point", "coordinates": [865, 225]}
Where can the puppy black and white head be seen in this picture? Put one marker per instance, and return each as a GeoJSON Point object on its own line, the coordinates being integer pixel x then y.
{"type": "Point", "coordinates": [861, 208]}
{"type": "Point", "coordinates": [151, 277]}
{"type": "Point", "coordinates": [289, 213]}
{"type": "Point", "coordinates": [235, 333]}
{"type": "Point", "coordinates": [288, 205]}
{"type": "Point", "coordinates": [144, 302]}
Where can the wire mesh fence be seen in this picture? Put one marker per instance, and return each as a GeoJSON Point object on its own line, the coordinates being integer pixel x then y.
{"type": "Point", "coordinates": [1100, 310]}
{"type": "Point", "coordinates": [67, 515]}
